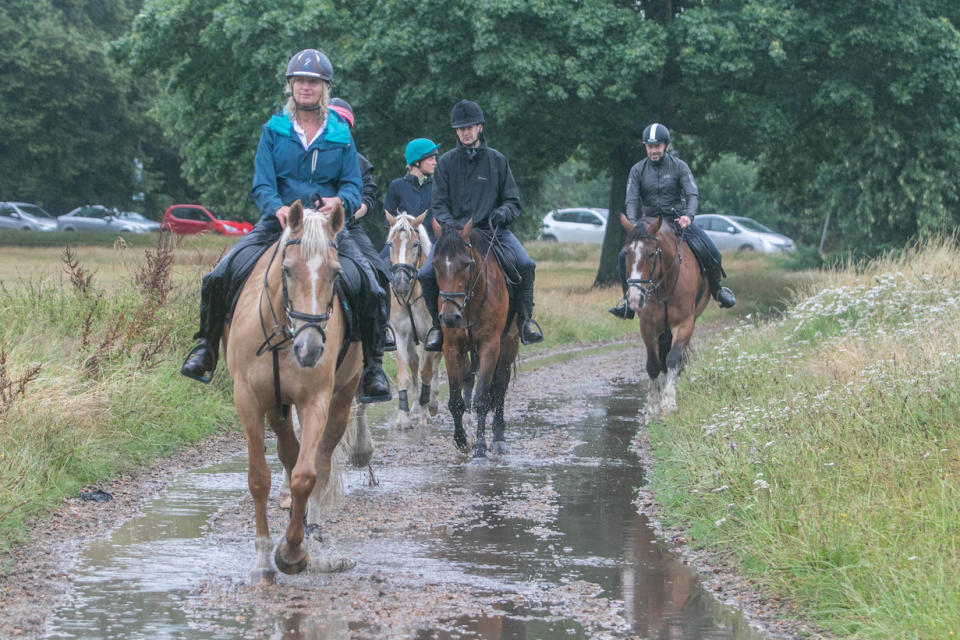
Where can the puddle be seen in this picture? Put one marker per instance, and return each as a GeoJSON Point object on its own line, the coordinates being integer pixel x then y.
{"type": "Point", "coordinates": [552, 547]}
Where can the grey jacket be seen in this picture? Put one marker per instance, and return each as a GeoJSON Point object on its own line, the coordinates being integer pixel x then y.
{"type": "Point", "coordinates": [663, 188]}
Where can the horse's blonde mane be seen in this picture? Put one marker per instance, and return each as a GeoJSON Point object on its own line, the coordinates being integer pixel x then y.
{"type": "Point", "coordinates": [405, 223]}
{"type": "Point", "coordinates": [314, 241]}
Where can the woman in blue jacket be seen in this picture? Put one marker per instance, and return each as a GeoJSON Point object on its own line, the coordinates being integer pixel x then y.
{"type": "Point", "coordinates": [305, 153]}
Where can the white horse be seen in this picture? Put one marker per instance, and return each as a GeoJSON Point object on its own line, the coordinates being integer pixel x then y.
{"type": "Point", "coordinates": [409, 248]}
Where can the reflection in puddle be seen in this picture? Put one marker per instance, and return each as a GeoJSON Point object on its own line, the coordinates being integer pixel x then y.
{"type": "Point", "coordinates": [556, 540]}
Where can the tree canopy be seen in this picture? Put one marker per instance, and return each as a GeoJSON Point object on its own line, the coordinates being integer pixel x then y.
{"type": "Point", "coordinates": [842, 107]}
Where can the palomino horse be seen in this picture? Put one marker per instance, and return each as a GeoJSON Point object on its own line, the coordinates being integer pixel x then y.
{"type": "Point", "coordinates": [474, 308]}
{"type": "Point", "coordinates": [669, 293]}
{"type": "Point", "coordinates": [287, 344]}
{"type": "Point", "coordinates": [409, 248]}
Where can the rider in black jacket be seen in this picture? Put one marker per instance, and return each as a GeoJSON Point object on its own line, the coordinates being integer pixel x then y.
{"type": "Point", "coordinates": [663, 185]}
{"type": "Point", "coordinates": [474, 181]}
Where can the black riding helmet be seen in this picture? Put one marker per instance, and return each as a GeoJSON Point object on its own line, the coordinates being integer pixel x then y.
{"type": "Point", "coordinates": [656, 134]}
{"type": "Point", "coordinates": [466, 113]}
{"type": "Point", "coordinates": [310, 63]}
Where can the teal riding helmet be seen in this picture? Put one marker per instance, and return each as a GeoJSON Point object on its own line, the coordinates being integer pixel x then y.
{"type": "Point", "coordinates": [418, 149]}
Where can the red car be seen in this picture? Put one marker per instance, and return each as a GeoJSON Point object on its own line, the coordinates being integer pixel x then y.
{"type": "Point", "coordinates": [194, 218]}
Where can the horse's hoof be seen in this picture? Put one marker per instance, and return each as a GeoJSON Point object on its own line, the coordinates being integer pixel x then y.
{"type": "Point", "coordinates": [262, 577]}
{"type": "Point", "coordinates": [433, 410]}
{"type": "Point", "coordinates": [499, 447]}
{"type": "Point", "coordinates": [294, 565]}
{"type": "Point", "coordinates": [479, 461]}
{"type": "Point", "coordinates": [313, 532]}
{"type": "Point", "coordinates": [286, 503]}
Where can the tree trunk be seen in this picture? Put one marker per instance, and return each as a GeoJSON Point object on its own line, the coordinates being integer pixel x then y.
{"type": "Point", "coordinates": [622, 160]}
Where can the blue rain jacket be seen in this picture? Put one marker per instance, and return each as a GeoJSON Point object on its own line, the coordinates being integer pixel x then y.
{"type": "Point", "coordinates": [283, 171]}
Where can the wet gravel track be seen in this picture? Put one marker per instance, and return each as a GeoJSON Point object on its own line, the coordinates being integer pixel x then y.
{"type": "Point", "coordinates": [443, 548]}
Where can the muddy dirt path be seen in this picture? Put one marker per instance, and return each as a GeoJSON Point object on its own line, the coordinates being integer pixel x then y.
{"type": "Point", "coordinates": [551, 541]}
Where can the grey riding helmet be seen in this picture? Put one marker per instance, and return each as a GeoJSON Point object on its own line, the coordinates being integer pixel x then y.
{"type": "Point", "coordinates": [310, 63]}
{"type": "Point", "coordinates": [656, 134]}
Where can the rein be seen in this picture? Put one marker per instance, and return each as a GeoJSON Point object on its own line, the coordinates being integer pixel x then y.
{"type": "Point", "coordinates": [288, 331]}
{"type": "Point", "coordinates": [655, 286]}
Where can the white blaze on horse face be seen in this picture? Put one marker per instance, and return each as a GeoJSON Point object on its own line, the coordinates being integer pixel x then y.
{"type": "Point", "coordinates": [633, 291]}
{"type": "Point", "coordinates": [402, 250]}
{"type": "Point", "coordinates": [313, 266]}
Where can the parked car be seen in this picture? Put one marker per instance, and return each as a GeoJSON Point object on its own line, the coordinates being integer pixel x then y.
{"type": "Point", "coordinates": [578, 224]}
{"type": "Point", "coordinates": [96, 217]}
{"type": "Point", "coordinates": [29, 217]}
{"type": "Point", "coordinates": [139, 218]}
{"type": "Point", "coordinates": [195, 218]}
{"type": "Point", "coordinates": [738, 232]}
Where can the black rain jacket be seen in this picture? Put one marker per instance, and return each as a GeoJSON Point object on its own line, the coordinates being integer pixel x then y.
{"type": "Point", "coordinates": [473, 183]}
{"type": "Point", "coordinates": [663, 188]}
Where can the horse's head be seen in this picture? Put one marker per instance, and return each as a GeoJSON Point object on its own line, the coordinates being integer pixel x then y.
{"type": "Point", "coordinates": [409, 248]}
{"type": "Point", "coordinates": [644, 253]}
{"type": "Point", "coordinates": [456, 270]}
{"type": "Point", "coordinates": [308, 272]}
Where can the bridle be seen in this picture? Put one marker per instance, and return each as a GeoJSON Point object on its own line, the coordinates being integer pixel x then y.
{"type": "Point", "coordinates": [650, 285]}
{"type": "Point", "coordinates": [288, 329]}
{"type": "Point", "coordinates": [409, 270]}
{"type": "Point", "coordinates": [453, 296]}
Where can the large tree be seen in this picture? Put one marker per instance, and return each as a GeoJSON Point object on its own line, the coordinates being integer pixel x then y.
{"type": "Point", "coordinates": [67, 134]}
{"type": "Point", "coordinates": [550, 76]}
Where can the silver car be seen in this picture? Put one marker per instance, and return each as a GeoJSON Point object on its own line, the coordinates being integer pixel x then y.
{"type": "Point", "coordinates": [97, 217]}
{"type": "Point", "coordinates": [580, 224]}
{"type": "Point", "coordinates": [29, 217]}
{"type": "Point", "coordinates": [731, 233]}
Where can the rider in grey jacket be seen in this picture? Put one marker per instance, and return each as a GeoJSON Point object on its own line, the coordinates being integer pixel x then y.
{"type": "Point", "coordinates": [663, 185]}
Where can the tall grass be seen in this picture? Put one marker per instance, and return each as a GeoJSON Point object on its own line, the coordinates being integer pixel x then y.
{"type": "Point", "coordinates": [92, 383]}
{"type": "Point", "coordinates": [823, 449]}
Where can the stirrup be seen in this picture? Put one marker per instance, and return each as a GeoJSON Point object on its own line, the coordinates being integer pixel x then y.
{"type": "Point", "coordinates": [725, 298]}
{"type": "Point", "coordinates": [390, 339]}
{"type": "Point", "coordinates": [190, 373]}
{"type": "Point", "coordinates": [622, 310]}
{"type": "Point", "coordinates": [434, 346]}
{"type": "Point", "coordinates": [534, 338]}
{"type": "Point", "coordinates": [382, 396]}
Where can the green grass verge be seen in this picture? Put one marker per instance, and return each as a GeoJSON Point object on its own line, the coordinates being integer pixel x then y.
{"type": "Point", "coordinates": [822, 449]}
{"type": "Point", "coordinates": [108, 397]}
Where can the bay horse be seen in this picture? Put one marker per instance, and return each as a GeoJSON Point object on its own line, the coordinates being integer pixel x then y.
{"type": "Point", "coordinates": [478, 337]}
{"type": "Point", "coordinates": [288, 344]}
{"type": "Point", "coordinates": [409, 247]}
{"type": "Point", "coordinates": [667, 290]}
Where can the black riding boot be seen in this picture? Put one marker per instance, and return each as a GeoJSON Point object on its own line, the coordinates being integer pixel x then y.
{"type": "Point", "coordinates": [374, 386]}
{"type": "Point", "coordinates": [530, 331]}
{"type": "Point", "coordinates": [201, 362]}
{"type": "Point", "coordinates": [431, 292]}
{"type": "Point", "coordinates": [622, 309]}
{"type": "Point", "coordinates": [721, 294]}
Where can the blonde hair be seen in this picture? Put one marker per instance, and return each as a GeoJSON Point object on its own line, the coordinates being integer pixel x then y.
{"type": "Point", "coordinates": [290, 108]}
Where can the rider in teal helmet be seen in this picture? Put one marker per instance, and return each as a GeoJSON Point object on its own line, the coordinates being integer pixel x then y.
{"type": "Point", "coordinates": [419, 148]}
{"type": "Point", "coordinates": [412, 193]}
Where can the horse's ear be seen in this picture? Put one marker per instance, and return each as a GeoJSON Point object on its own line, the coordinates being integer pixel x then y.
{"type": "Point", "coordinates": [437, 229]}
{"type": "Point", "coordinates": [467, 228]}
{"type": "Point", "coordinates": [295, 215]}
{"type": "Point", "coordinates": [419, 219]}
{"type": "Point", "coordinates": [625, 223]}
{"type": "Point", "coordinates": [655, 227]}
{"type": "Point", "coordinates": [336, 218]}
{"type": "Point", "coordinates": [390, 219]}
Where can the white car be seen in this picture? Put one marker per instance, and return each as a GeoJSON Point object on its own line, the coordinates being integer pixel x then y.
{"type": "Point", "coordinates": [731, 233]}
{"type": "Point", "coordinates": [575, 225]}
{"type": "Point", "coordinates": [30, 217]}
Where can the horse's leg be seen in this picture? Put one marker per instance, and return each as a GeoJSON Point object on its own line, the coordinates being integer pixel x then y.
{"type": "Point", "coordinates": [291, 556]}
{"type": "Point", "coordinates": [674, 360]}
{"type": "Point", "coordinates": [432, 396]}
{"type": "Point", "coordinates": [489, 355]}
{"type": "Point", "coordinates": [455, 371]}
{"type": "Point", "coordinates": [653, 391]}
{"type": "Point", "coordinates": [415, 361]}
{"type": "Point", "coordinates": [402, 354]}
{"type": "Point", "coordinates": [501, 380]}
{"type": "Point", "coordinates": [357, 439]}
{"type": "Point", "coordinates": [258, 479]}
